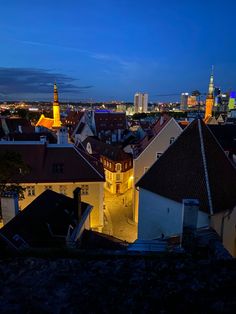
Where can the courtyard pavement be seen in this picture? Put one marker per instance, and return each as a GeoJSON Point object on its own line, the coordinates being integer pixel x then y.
{"type": "Point", "coordinates": [118, 216]}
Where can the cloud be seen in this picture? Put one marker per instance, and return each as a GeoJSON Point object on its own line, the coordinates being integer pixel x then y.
{"type": "Point", "coordinates": [17, 81]}
{"type": "Point", "coordinates": [52, 45]}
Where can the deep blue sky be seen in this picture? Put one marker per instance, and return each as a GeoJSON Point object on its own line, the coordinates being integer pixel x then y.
{"type": "Point", "coordinates": [109, 49]}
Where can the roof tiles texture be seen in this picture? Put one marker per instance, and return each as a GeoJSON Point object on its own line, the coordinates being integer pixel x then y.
{"type": "Point", "coordinates": [55, 163]}
{"type": "Point", "coordinates": [110, 121]}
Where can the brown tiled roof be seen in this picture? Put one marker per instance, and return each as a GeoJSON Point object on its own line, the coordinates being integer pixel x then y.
{"type": "Point", "coordinates": [110, 121]}
{"type": "Point", "coordinates": [55, 163]}
{"type": "Point", "coordinates": [155, 130]}
{"type": "Point", "coordinates": [74, 117]}
{"type": "Point", "coordinates": [13, 124]}
{"type": "Point", "coordinates": [226, 135]}
{"type": "Point", "coordinates": [33, 137]}
{"type": "Point", "coordinates": [107, 150]}
{"type": "Point", "coordinates": [179, 172]}
{"type": "Point", "coordinates": [160, 123]}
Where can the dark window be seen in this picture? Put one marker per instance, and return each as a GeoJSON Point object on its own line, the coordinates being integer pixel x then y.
{"type": "Point", "coordinates": [172, 139]}
{"type": "Point", "coordinates": [57, 168]}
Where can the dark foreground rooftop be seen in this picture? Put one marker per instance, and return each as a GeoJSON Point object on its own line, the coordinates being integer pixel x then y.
{"type": "Point", "coordinates": [117, 284]}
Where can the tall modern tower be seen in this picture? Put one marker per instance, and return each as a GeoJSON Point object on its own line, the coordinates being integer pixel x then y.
{"type": "Point", "coordinates": [210, 98]}
{"type": "Point", "coordinates": [140, 102]}
{"type": "Point", "coordinates": [184, 101]}
{"type": "Point", "coordinates": [56, 109]}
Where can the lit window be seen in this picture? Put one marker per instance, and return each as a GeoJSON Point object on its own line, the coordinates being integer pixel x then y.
{"type": "Point", "coordinates": [159, 155]}
{"type": "Point", "coordinates": [62, 189]}
{"type": "Point", "coordinates": [48, 187]}
{"type": "Point", "coordinates": [84, 189]}
{"type": "Point", "coordinates": [118, 167]}
{"type": "Point", "coordinates": [30, 190]}
{"type": "Point", "coordinates": [172, 140]}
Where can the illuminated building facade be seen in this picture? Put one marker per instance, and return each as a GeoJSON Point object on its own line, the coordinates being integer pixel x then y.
{"type": "Point", "coordinates": [118, 165]}
{"type": "Point", "coordinates": [192, 101]}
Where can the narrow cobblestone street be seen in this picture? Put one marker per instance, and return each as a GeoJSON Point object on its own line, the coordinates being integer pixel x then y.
{"type": "Point", "coordinates": [118, 216]}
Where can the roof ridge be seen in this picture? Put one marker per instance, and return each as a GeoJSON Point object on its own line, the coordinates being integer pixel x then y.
{"type": "Point", "coordinates": [154, 137]}
{"type": "Point", "coordinates": [78, 151]}
{"type": "Point", "coordinates": [232, 164]}
{"type": "Point", "coordinates": [205, 166]}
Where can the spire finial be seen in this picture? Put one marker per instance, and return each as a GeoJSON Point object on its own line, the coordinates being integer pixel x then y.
{"type": "Point", "coordinates": [212, 70]}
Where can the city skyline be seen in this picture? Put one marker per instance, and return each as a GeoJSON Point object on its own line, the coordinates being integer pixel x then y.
{"type": "Point", "coordinates": [109, 50]}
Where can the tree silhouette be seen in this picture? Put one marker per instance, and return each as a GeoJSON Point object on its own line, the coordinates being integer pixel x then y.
{"type": "Point", "coordinates": [12, 167]}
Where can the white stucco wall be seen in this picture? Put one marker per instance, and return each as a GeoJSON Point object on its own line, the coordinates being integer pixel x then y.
{"type": "Point", "coordinates": [159, 215]}
{"type": "Point", "coordinates": [227, 226]}
{"type": "Point", "coordinates": [147, 158]}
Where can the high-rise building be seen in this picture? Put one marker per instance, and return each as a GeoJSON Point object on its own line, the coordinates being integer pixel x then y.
{"type": "Point", "coordinates": [192, 101]}
{"type": "Point", "coordinates": [210, 98]}
{"type": "Point", "coordinates": [217, 102]}
{"type": "Point", "coordinates": [184, 101]}
{"type": "Point", "coordinates": [140, 102]}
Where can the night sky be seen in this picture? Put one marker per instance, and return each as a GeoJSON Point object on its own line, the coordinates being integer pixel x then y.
{"type": "Point", "coordinates": [109, 49]}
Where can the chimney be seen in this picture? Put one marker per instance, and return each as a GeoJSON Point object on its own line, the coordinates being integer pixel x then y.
{"type": "Point", "coordinates": [43, 139]}
{"type": "Point", "coordinates": [77, 203]}
{"type": "Point", "coordinates": [161, 120]}
{"type": "Point", "coordinates": [37, 129]}
{"type": "Point", "coordinates": [190, 217]}
{"type": "Point", "coordinates": [9, 205]}
{"type": "Point", "coordinates": [20, 129]}
{"type": "Point", "coordinates": [62, 136]}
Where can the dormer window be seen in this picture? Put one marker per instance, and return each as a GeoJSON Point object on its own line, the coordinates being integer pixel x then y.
{"type": "Point", "coordinates": [118, 167]}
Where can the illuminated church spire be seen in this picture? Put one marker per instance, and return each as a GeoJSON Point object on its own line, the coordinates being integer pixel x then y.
{"type": "Point", "coordinates": [210, 97]}
{"type": "Point", "coordinates": [56, 109]}
{"type": "Point", "coordinates": [211, 84]}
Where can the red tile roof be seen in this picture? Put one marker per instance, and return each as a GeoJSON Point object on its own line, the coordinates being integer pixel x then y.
{"type": "Point", "coordinates": [110, 121]}
{"type": "Point", "coordinates": [109, 151]}
{"type": "Point", "coordinates": [13, 124]}
{"type": "Point", "coordinates": [74, 117]}
{"type": "Point", "coordinates": [179, 173]}
{"type": "Point", "coordinates": [55, 163]}
{"type": "Point", "coordinates": [45, 122]}
{"type": "Point", "coordinates": [155, 130]}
